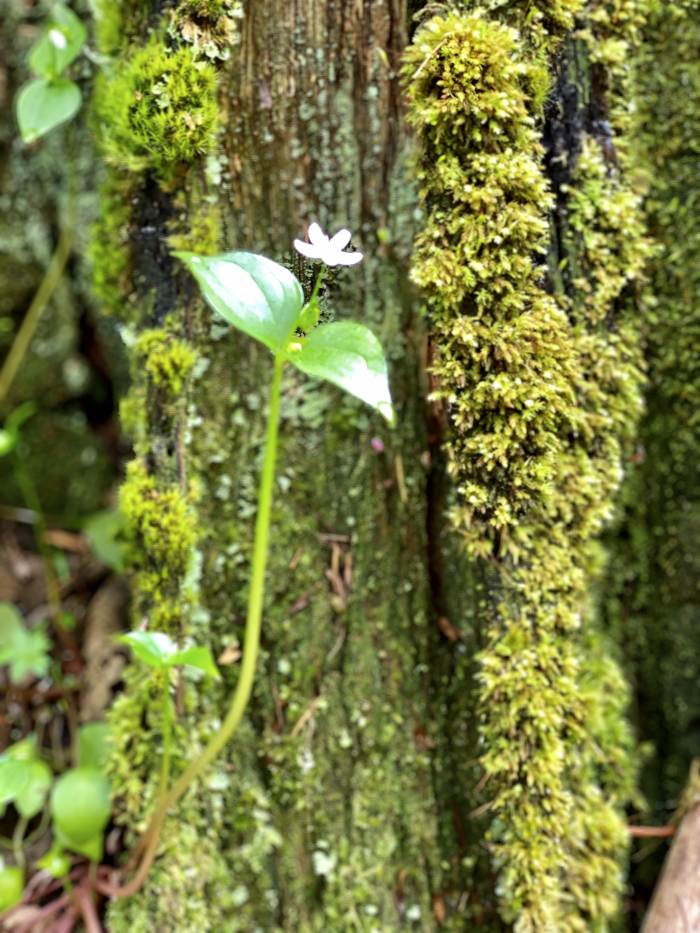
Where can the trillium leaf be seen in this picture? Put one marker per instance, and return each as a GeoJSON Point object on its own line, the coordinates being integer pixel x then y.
{"type": "Point", "coordinates": [43, 105]}
{"type": "Point", "coordinates": [197, 657]}
{"type": "Point", "coordinates": [350, 356]}
{"type": "Point", "coordinates": [253, 293]}
{"type": "Point", "coordinates": [60, 43]}
{"type": "Point", "coordinates": [153, 648]}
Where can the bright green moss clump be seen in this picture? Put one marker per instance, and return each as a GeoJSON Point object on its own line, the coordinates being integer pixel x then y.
{"type": "Point", "coordinates": [167, 361]}
{"type": "Point", "coordinates": [505, 355]}
{"type": "Point", "coordinates": [159, 109]}
{"type": "Point", "coordinates": [162, 525]}
{"type": "Point", "coordinates": [542, 391]}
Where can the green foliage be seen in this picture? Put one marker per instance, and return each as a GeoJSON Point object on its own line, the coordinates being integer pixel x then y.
{"type": "Point", "coordinates": [55, 862]}
{"type": "Point", "coordinates": [50, 99]}
{"type": "Point", "coordinates": [94, 745]}
{"type": "Point", "coordinates": [252, 293]}
{"type": "Point", "coordinates": [26, 651]}
{"type": "Point", "coordinates": [350, 356]}
{"type": "Point", "coordinates": [43, 105]}
{"type": "Point", "coordinates": [24, 779]}
{"type": "Point", "coordinates": [105, 532]}
{"type": "Point", "coordinates": [59, 45]}
{"type": "Point", "coordinates": [158, 110]}
{"type": "Point", "coordinates": [11, 886]}
{"type": "Point", "coordinates": [81, 808]}
{"type": "Point", "coordinates": [158, 650]}
{"type": "Point", "coordinates": [265, 301]}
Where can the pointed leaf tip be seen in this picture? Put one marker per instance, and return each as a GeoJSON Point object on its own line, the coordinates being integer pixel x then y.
{"type": "Point", "coordinates": [350, 356]}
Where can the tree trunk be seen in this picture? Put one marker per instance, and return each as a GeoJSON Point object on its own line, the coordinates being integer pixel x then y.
{"type": "Point", "coordinates": [436, 737]}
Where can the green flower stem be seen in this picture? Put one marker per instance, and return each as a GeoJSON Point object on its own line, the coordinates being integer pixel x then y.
{"type": "Point", "coordinates": [251, 641]}
{"type": "Point", "coordinates": [251, 645]}
{"type": "Point", "coordinates": [167, 736]}
{"type": "Point", "coordinates": [317, 285]}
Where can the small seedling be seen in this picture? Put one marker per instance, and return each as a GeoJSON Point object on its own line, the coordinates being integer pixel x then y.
{"type": "Point", "coordinates": [265, 301]}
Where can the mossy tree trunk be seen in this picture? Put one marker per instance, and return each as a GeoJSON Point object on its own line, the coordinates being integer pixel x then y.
{"type": "Point", "coordinates": [380, 752]}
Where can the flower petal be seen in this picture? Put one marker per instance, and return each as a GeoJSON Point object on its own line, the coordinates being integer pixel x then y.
{"type": "Point", "coordinates": [341, 239]}
{"type": "Point", "coordinates": [316, 235]}
{"type": "Point", "coordinates": [348, 259]}
{"type": "Point", "coordinates": [307, 249]}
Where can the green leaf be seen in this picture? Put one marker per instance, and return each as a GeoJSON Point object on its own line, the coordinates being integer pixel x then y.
{"type": "Point", "coordinates": [94, 745]}
{"type": "Point", "coordinates": [8, 442]}
{"type": "Point", "coordinates": [103, 530]}
{"type": "Point", "coordinates": [159, 650]}
{"type": "Point", "coordinates": [153, 648]}
{"type": "Point", "coordinates": [253, 293]}
{"type": "Point", "coordinates": [26, 651]}
{"type": "Point", "coordinates": [43, 105]}
{"type": "Point", "coordinates": [56, 863]}
{"type": "Point", "coordinates": [9, 435]}
{"type": "Point", "coordinates": [60, 43]}
{"type": "Point", "coordinates": [349, 356]}
{"type": "Point", "coordinates": [81, 807]}
{"type": "Point", "coordinates": [198, 657]}
{"type": "Point", "coordinates": [31, 798]}
{"type": "Point", "coordinates": [11, 887]}
{"type": "Point", "coordinates": [14, 777]}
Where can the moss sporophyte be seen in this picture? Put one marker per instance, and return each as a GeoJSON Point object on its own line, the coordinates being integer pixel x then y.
{"type": "Point", "coordinates": [265, 301]}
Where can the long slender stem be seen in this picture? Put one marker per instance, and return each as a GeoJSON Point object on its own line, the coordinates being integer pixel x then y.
{"type": "Point", "coordinates": [28, 327]}
{"type": "Point", "coordinates": [18, 839]}
{"type": "Point", "coordinates": [167, 734]}
{"type": "Point", "coordinates": [251, 643]}
{"type": "Point", "coordinates": [31, 499]}
{"type": "Point", "coordinates": [251, 646]}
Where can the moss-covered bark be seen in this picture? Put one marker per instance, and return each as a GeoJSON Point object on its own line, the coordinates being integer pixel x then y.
{"type": "Point", "coordinates": [437, 734]}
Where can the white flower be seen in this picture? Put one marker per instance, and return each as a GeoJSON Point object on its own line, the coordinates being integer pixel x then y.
{"type": "Point", "coordinates": [328, 249]}
{"type": "Point", "coordinates": [57, 38]}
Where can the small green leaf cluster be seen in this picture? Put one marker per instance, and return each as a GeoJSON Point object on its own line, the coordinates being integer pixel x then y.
{"type": "Point", "coordinates": [157, 650]}
{"type": "Point", "coordinates": [158, 111]}
{"type": "Point", "coordinates": [51, 99]}
{"type": "Point", "coordinates": [26, 651]}
{"type": "Point", "coordinates": [79, 801]}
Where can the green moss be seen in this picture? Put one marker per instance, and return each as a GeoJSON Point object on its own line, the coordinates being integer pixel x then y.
{"type": "Point", "coordinates": [164, 533]}
{"type": "Point", "coordinates": [158, 110]}
{"type": "Point", "coordinates": [109, 250]}
{"type": "Point", "coordinates": [167, 361]}
{"type": "Point", "coordinates": [542, 393]}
